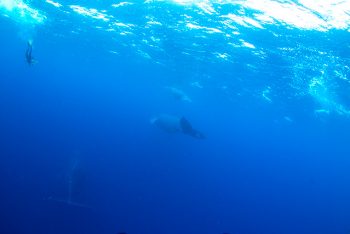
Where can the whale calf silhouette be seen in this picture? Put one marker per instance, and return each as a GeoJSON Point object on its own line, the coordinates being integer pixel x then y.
{"type": "Point", "coordinates": [179, 94]}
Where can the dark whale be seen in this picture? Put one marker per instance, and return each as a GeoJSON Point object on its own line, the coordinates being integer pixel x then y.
{"type": "Point", "coordinates": [174, 124]}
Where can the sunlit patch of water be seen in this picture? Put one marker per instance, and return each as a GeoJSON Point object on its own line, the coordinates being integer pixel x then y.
{"type": "Point", "coordinates": [21, 12]}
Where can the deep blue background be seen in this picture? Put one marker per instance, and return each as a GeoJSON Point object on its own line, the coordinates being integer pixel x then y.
{"type": "Point", "coordinates": [80, 104]}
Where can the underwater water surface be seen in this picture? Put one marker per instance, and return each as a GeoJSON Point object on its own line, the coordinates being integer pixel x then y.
{"type": "Point", "coordinates": [175, 116]}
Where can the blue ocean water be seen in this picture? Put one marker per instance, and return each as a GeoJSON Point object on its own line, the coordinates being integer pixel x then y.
{"type": "Point", "coordinates": [266, 82]}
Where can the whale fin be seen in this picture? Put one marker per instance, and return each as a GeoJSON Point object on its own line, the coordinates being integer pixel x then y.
{"type": "Point", "coordinates": [185, 125]}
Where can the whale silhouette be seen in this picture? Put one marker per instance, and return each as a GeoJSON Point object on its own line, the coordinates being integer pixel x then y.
{"type": "Point", "coordinates": [175, 124]}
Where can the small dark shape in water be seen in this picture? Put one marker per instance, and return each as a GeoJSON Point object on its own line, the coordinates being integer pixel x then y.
{"type": "Point", "coordinates": [174, 124]}
{"type": "Point", "coordinates": [29, 57]}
